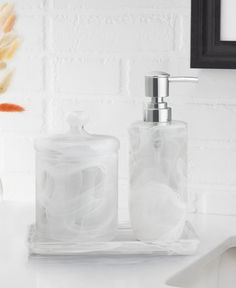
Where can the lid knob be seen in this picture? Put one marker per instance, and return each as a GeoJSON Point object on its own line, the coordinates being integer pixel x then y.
{"type": "Point", "coordinates": [77, 120]}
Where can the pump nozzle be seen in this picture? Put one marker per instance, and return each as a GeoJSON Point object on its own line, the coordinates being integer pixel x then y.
{"type": "Point", "coordinates": [157, 87]}
{"type": "Point", "coordinates": [183, 79]}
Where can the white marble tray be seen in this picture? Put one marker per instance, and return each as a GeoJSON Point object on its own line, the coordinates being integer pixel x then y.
{"type": "Point", "coordinates": [123, 244]}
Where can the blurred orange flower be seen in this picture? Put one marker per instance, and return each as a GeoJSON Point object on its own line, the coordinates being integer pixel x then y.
{"type": "Point", "coordinates": [8, 107]}
{"type": "Point", "coordinates": [9, 43]}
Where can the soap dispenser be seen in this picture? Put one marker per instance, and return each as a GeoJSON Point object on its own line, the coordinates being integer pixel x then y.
{"type": "Point", "coordinates": [158, 166]}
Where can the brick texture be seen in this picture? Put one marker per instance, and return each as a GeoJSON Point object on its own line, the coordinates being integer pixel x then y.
{"type": "Point", "coordinates": [122, 4]}
{"type": "Point", "coordinates": [87, 76]}
{"type": "Point", "coordinates": [128, 33]}
{"type": "Point", "coordinates": [93, 55]}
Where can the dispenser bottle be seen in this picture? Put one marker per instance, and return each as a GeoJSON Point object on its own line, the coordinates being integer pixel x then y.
{"type": "Point", "coordinates": [158, 166]}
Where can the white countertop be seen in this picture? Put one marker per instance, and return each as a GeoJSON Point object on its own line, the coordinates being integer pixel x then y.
{"type": "Point", "coordinates": [18, 270]}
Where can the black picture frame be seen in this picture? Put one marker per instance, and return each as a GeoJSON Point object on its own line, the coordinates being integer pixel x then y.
{"type": "Point", "coordinates": [207, 50]}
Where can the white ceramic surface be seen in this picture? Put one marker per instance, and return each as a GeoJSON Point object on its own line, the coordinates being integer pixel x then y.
{"type": "Point", "coordinates": [215, 270]}
{"type": "Point", "coordinates": [123, 244]}
{"type": "Point", "coordinates": [17, 269]}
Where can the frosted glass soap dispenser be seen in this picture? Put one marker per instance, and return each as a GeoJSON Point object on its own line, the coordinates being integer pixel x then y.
{"type": "Point", "coordinates": [158, 166]}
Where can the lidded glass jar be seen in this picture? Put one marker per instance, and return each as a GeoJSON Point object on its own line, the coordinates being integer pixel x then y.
{"type": "Point", "coordinates": [76, 184]}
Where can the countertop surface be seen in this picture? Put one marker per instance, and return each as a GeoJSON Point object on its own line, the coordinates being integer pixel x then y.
{"type": "Point", "coordinates": [17, 269]}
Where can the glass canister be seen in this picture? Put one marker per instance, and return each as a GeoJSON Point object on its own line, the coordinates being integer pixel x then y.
{"type": "Point", "coordinates": [76, 184]}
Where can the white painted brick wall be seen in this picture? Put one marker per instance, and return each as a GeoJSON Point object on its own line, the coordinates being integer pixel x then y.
{"type": "Point", "coordinates": [93, 55]}
{"type": "Point", "coordinates": [71, 77]}
{"type": "Point", "coordinates": [113, 33]}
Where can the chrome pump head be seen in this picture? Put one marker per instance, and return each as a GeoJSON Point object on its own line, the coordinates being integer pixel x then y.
{"type": "Point", "coordinates": [157, 87]}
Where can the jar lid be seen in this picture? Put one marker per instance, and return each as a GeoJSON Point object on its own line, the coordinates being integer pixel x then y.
{"type": "Point", "coordinates": [77, 140]}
